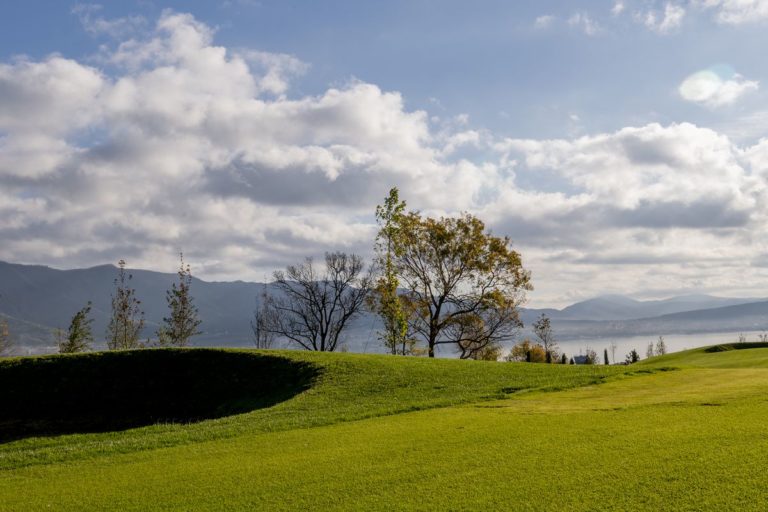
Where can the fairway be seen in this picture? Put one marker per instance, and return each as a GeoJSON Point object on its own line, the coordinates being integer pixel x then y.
{"type": "Point", "coordinates": [656, 439]}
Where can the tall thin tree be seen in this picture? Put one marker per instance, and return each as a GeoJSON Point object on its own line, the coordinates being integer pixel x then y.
{"type": "Point", "coordinates": [386, 301]}
{"type": "Point", "coordinates": [264, 318]}
{"type": "Point", "coordinates": [127, 319]}
{"type": "Point", "coordinates": [79, 336]}
{"type": "Point", "coordinates": [183, 322]}
{"type": "Point", "coordinates": [542, 328]}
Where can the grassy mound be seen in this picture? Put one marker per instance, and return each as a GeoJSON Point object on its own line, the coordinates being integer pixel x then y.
{"type": "Point", "coordinates": [691, 439]}
{"type": "Point", "coordinates": [117, 390]}
{"type": "Point", "coordinates": [348, 387]}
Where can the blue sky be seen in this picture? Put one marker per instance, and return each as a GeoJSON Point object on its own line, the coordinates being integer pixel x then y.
{"type": "Point", "coordinates": [620, 144]}
{"type": "Point", "coordinates": [488, 59]}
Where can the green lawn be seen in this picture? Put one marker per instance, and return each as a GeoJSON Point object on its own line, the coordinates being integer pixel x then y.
{"type": "Point", "coordinates": [691, 439]}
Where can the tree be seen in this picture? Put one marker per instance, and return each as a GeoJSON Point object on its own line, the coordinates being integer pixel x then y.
{"type": "Point", "coordinates": [313, 309]}
{"type": "Point", "coordinates": [464, 285]}
{"type": "Point", "coordinates": [528, 352]}
{"type": "Point", "coordinates": [385, 299]}
{"type": "Point", "coordinates": [605, 356]}
{"type": "Point", "coordinates": [487, 353]}
{"type": "Point", "coordinates": [263, 318]}
{"type": "Point", "coordinates": [563, 359]}
{"type": "Point", "coordinates": [632, 357]}
{"type": "Point", "coordinates": [183, 321]}
{"type": "Point", "coordinates": [127, 319]}
{"type": "Point", "coordinates": [661, 347]}
{"type": "Point", "coordinates": [6, 343]}
{"type": "Point", "coordinates": [613, 351]}
{"type": "Point", "coordinates": [649, 351]}
{"type": "Point", "coordinates": [571, 361]}
{"type": "Point", "coordinates": [79, 336]}
{"type": "Point", "coordinates": [542, 328]}
{"type": "Point", "coordinates": [590, 356]}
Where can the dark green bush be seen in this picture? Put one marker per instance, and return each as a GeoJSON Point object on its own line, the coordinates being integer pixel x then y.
{"type": "Point", "coordinates": [106, 391]}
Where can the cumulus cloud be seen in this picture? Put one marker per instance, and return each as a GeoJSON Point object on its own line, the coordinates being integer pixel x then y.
{"type": "Point", "coordinates": [708, 88]}
{"type": "Point", "coordinates": [678, 195]}
{"type": "Point", "coordinates": [189, 144]}
{"type": "Point", "coordinates": [177, 143]}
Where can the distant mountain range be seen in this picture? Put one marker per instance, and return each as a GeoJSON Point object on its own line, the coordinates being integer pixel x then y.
{"type": "Point", "coordinates": [36, 299]}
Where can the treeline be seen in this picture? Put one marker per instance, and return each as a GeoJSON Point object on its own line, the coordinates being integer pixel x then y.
{"type": "Point", "coordinates": [126, 323]}
{"type": "Point", "coordinates": [433, 282]}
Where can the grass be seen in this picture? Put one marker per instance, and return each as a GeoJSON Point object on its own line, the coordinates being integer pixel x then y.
{"type": "Point", "coordinates": [691, 439]}
{"type": "Point", "coordinates": [346, 387]}
{"type": "Point", "coordinates": [736, 355]}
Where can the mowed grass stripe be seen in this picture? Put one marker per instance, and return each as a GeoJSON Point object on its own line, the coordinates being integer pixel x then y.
{"type": "Point", "coordinates": [617, 446]}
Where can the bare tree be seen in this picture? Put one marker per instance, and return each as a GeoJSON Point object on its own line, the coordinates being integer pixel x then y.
{"type": "Point", "coordinates": [661, 346]}
{"type": "Point", "coordinates": [542, 328]}
{"type": "Point", "coordinates": [590, 356]}
{"type": "Point", "coordinates": [127, 319]}
{"type": "Point", "coordinates": [263, 318]}
{"type": "Point", "coordinates": [313, 308]}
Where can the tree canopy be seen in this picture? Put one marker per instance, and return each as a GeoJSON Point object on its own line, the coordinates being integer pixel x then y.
{"type": "Point", "coordinates": [464, 284]}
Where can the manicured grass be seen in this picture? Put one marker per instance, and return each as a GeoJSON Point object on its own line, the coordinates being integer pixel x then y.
{"type": "Point", "coordinates": [347, 387]}
{"type": "Point", "coordinates": [692, 439]}
{"type": "Point", "coordinates": [733, 356]}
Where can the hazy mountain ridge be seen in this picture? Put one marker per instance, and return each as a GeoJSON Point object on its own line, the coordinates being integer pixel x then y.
{"type": "Point", "coordinates": [36, 299]}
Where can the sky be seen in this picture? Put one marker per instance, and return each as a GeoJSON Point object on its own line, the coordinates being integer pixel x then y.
{"type": "Point", "coordinates": [622, 145]}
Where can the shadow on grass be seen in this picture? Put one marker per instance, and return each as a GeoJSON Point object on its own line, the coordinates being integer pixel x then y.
{"type": "Point", "coordinates": [107, 391]}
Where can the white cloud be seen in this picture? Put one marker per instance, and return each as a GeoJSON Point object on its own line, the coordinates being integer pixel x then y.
{"type": "Point", "coordinates": [708, 88]}
{"type": "Point", "coordinates": [662, 22]}
{"type": "Point", "coordinates": [618, 7]}
{"type": "Point", "coordinates": [544, 21]}
{"type": "Point", "coordinates": [736, 12]}
{"type": "Point", "coordinates": [193, 145]}
{"type": "Point", "coordinates": [585, 23]}
{"type": "Point", "coordinates": [186, 144]}
{"type": "Point", "coordinates": [277, 69]}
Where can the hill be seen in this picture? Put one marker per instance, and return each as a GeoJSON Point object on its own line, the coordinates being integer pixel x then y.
{"type": "Point", "coordinates": [416, 434]}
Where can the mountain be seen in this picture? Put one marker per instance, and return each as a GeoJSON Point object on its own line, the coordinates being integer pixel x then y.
{"type": "Point", "coordinates": [619, 307]}
{"type": "Point", "coordinates": [36, 299]}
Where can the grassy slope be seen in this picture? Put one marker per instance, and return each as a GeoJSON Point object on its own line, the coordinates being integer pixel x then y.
{"type": "Point", "coordinates": [351, 387]}
{"type": "Point", "coordinates": [700, 358]}
{"type": "Point", "coordinates": [681, 440]}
